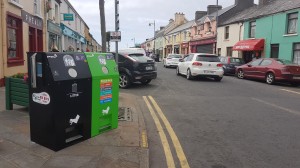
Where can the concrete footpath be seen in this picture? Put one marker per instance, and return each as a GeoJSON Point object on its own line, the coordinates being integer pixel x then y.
{"type": "Point", "coordinates": [124, 147]}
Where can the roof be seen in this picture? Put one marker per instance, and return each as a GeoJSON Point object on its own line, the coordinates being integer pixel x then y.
{"type": "Point", "coordinates": [184, 26]}
{"type": "Point", "coordinates": [258, 11]}
{"type": "Point", "coordinates": [213, 15]}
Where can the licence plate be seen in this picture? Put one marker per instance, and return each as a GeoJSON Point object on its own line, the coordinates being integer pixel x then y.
{"type": "Point", "coordinates": [149, 68]}
{"type": "Point", "coordinates": [209, 72]}
{"type": "Point", "coordinates": [296, 77]}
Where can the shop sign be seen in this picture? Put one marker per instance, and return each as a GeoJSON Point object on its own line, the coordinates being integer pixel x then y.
{"type": "Point", "coordinates": [53, 28]}
{"type": "Point", "coordinates": [68, 32]}
{"type": "Point", "coordinates": [68, 17]}
{"type": "Point", "coordinates": [201, 42]}
{"type": "Point", "coordinates": [32, 20]}
{"type": "Point", "coordinates": [115, 36]}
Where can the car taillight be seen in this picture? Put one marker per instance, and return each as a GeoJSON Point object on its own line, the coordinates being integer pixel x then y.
{"type": "Point", "coordinates": [197, 64]}
{"type": "Point", "coordinates": [219, 65]}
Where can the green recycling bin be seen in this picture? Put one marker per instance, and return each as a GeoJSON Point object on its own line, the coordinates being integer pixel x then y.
{"type": "Point", "coordinates": [105, 92]}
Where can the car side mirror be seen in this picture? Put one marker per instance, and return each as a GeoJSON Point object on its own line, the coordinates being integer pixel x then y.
{"type": "Point", "coordinates": [181, 60]}
{"type": "Point", "coordinates": [249, 65]}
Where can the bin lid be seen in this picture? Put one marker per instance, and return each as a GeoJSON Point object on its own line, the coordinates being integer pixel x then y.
{"type": "Point", "coordinates": [102, 64]}
{"type": "Point", "coordinates": [68, 66]}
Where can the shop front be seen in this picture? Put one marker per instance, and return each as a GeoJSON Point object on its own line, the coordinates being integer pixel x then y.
{"type": "Point", "coordinates": [168, 50]}
{"type": "Point", "coordinates": [251, 48]}
{"type": "Point", "coordinates": [71, 40]}
{"type": "Point", "coordinates": [185, 48]}
{"type": "Point", "coordinates": [176, 49]}
{"type": "Point", "coordinates": [35, 33]}
{"type": "Point", "coordinates": [54, 36]}
{"type": "Point", "coordinates": [203, 46]}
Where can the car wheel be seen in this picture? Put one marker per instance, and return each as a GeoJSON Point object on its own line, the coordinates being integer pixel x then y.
{"type": "Point", "coordinates": [189, 75]}
{"type": "Point", "coordinates": [177, 71]}
{"type": "Point", "coordinates": [270, 78]}
{"type": "Point", "coordinates": [240, 74]}
{"type": "Point", "coordinates": [218, 79]}
{"type": "Point", "coordinates": [124, 81]}
{"type": "Point", "coordinates": [146, 81]}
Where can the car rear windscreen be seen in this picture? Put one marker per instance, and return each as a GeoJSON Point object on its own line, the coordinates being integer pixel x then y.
{"type": "Point", "coordinates": [208, 58]}
{"type": "Point", "coordinates": [285, 62]}
{"type": "Point", "coordinates": [140, 57]}
{"type": "Point", "coordinates": [174, 56]}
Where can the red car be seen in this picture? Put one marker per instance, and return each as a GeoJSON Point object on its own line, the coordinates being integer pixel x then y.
{"type": "Point", "coordinates": [271, 70]}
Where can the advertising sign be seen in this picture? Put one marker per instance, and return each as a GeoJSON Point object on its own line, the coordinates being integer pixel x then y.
{"type": "Point", "coordinates": [115, 36]}
{"type": "Point", "coordinates": [68, 17]}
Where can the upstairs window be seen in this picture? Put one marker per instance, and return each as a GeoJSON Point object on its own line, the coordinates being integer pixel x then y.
{"type": "Point", "coordinates": [292, 23]}
{"type": "Point", "coordinates": [226, 32]}
{"type": "Point", "coordinates": [37, 7]}
{"type": "Point", "coordinates": [252, 29]}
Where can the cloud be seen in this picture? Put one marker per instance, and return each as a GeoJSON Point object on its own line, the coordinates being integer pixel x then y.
{"type": "Point", "coordinates": [135, 15]}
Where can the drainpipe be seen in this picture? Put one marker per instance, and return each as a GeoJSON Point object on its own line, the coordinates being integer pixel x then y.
{"type": "Point", "coordinates": [45, 28]}
{"type": "Point", "coordinates": [2, 16]}
{"type": "Point", "coordinates": [240, 37]}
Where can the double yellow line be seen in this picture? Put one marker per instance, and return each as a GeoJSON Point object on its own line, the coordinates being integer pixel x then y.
{"type": "Point", "coordinates": [179, 151]}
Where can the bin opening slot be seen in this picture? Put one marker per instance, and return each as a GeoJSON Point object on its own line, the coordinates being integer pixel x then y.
{"type": "Point", "coordinates": [69, 129]}
{"type": "Point", "coordinates": [73, 138]}
{"type": "Point", "coordinates": [104, 128]}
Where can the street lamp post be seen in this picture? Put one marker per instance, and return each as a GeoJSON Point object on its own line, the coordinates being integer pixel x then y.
{"type": "Point", "coordinates": [150, 24]}
{"type": "Point", "coordinates": [217, 20]}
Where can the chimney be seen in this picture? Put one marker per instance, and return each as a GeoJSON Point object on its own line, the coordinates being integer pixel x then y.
{"type": "Point", "coordinates": [179, 18]}
{"type": "Point", "coordinates": [171, 20]}
{"type": "Point", "coordinates": [161, 27]}
{"type": "Point", "coordinates": [213, 8]}
{"type": "Point", "coordinates": [244, 3]}
{"type": "Point", "coordinates": [199, 14]}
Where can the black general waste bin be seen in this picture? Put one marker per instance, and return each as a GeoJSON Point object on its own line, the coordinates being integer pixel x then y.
{"type": "Point", "coordinates": [60, 99]}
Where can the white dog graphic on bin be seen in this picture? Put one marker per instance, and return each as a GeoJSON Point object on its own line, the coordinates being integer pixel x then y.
{"type": "Point", "coordinates": [75, 120]}
{"type": "Point", "coordinates": [104, 112]}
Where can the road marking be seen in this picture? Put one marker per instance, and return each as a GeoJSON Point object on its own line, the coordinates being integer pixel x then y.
{"type": "Point", "coordinates": [180, 154]}
{"type": "Point", "coordinates": [163, 138]}
{"type": "Point", "coordinates": [144, 139]}
{"type": "Point", "coordinates": [279, 107]}
{"type": "Point", "coordinates": [291, 91]}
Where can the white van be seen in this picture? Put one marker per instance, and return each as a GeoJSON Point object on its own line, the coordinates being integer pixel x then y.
{"type": "Point", "coordinates": [128, 51]}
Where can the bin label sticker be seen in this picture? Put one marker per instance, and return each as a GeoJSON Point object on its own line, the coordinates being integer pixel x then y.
{"type": "Point", "coordinates": [72, 72]}
{"type": "Point", "coordinates": [105, 91]}
{"type": "Point", "coordinates": [41, 98]}
{"type": "Point", "coordinates": [110, 57]}
{"type": "Point", "coordinates": [69, 61]}
{"type": "Point", "coordinates": [102, 60]}
{"type": "Point", "coordinates": [75, 120]}
{"type": "Point", "coordinates": [80, 58]}
{"type": "Point", "coordinates": [104, 70]}
{"type": "Point", "coordinates": [74, 93]}
{"type": "Point", "coordinates": [106, 111]}
{"type": "Point", "coordinates": [52, 56]}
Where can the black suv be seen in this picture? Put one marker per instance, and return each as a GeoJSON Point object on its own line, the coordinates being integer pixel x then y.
{"type": "Point", "coordinates": [135, 67]}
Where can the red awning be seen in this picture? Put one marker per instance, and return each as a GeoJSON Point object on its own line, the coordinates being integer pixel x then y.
{"type": "Point", "coordinates": [249, 45]}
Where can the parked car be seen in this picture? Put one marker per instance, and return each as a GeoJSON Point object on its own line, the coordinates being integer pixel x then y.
{"type": "Point", "coordinates": [135, 67]}
{"type": "Point", "coordinates": [271, 70]}
{"type": "Point", "coordinates": [172, 60]}
{"type": "Point", "coordinates": [230, 63]}
{"type": "Point", "coordinates": [201, 64]}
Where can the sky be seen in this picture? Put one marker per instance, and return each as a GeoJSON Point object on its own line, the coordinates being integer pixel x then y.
{"type": "Point", "coordinates": [135, 16]}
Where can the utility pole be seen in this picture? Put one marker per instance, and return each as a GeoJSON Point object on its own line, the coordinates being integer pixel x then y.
{"type": "Point", "coordinates": [117, 27]}
{"type": "Point", "coordinates": [103, 25]}
{"type": "Point", "coordinates": [217, 20]}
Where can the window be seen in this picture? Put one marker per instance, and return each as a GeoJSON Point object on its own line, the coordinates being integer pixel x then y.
{"type": "Point", "coordinates": [274, 50]}
{"type": "Point", "coordinates": [202, 27]}
{"type": "Point", "coordinates": [219, 51]}
{"type": "Point", "coordinates": [296, 59]}
{"type": "Point", "coordinates": [229, 51]}
{"type": "Point", "coordinates": [190, 57]}
{"type": "Point", "coordinates": [252, 29]}
{"type": "Point", "coordinates": [56, 13]}
{"type": "Point", "coordinates": [208, 58]}
{"type": "Point", "coordinates": [256, 62]}
{"type": "Point", "coordinates": [14, 41]}
{"type": "Point", "coordinates": [266, 62]}
{"type": "Point", "coordinates": [174, 38]}
{"type": "Point", "coordinates": [184, 36]}
{"type": "Point", "coordinates": [292, 23]}
{"type": "Point", "coordinates": [37, 7]}
{"type": "Point", "coordinates": [226, 32]}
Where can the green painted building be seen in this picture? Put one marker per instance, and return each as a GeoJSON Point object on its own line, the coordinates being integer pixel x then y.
{"type": "Point", "coordinates": [281, 32]}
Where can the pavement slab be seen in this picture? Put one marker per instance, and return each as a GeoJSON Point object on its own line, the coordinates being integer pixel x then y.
{"type": "Point", "coordinates": [118, 148]}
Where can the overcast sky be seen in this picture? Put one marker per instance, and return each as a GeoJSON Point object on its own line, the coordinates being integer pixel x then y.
{"type": "Point", "coordinates": [135, 16]}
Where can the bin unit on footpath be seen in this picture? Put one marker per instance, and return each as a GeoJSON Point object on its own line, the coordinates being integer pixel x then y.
{"type": "Point", "coordinates": [105, 92]}
{"type": "Point", "coordinates": [60, 99]}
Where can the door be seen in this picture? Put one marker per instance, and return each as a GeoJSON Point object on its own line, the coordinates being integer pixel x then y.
{"type": "Point", "coordinates": [263, 68]}
{"type": "Point", "coordinates": [185, 64]}
{"type": "Point", "coordinates": [207, 48]}
{"type": "Point", "coordinates": [32, 42]}
{"type": "Point", "coordinates": [251, 69]}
